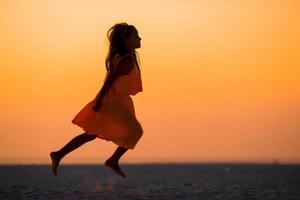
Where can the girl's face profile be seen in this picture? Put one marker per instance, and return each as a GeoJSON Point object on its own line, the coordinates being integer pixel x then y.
{"type": "Point", "coordinates": [133, 41]}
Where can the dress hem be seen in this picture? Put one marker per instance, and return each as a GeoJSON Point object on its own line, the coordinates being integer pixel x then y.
{"type": "Point", "coordinates": [103, 138]}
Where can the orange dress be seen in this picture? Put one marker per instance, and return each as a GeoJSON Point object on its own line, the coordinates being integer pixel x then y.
{"type": "Point", "coordinates": [115, 120]}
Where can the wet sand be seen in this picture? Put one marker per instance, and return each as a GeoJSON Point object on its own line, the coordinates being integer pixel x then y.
{"type": "Point", "coordinates": [152, 181]}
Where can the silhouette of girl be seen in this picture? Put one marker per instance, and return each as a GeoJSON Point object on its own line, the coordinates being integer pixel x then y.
{"type": "Point", "coordinates": [111, 115]}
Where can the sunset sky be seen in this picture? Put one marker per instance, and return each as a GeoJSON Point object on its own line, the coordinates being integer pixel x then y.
{"type": "Point", "coordinates": [221, 79]}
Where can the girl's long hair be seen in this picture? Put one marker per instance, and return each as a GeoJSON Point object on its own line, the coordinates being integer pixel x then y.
{"type": "Point", "coordinates": [116, 35]}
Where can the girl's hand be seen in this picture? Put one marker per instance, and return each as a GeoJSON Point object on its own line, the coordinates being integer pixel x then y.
{"type": "Point", "coordinates": [97, 106]}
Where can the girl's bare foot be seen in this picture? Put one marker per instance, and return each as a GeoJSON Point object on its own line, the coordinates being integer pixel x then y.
{"type": "Point", "coordinates": [55, 162]}
{"type": "Point", "coordinates": [114, 166]}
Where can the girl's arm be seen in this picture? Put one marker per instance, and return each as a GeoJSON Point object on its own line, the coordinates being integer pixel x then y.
{"type": "Point", "coordinates": [123, 67]}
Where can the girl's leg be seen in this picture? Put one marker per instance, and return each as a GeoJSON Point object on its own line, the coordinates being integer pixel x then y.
{"type": "Point", "coordinates": [76, 142]}
{"type": "Point", "coordinates": [113, 161]}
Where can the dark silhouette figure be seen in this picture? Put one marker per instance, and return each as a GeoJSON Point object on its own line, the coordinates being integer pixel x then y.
{"type": "Point", "coordinates": [123, 40]}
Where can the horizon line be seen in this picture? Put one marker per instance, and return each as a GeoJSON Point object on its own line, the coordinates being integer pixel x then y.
{"type": "Point", "coordinates": [21, 160]}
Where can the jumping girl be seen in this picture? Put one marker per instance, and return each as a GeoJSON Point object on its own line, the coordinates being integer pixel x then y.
{"type": "Point", "coordinates": [111, 115]}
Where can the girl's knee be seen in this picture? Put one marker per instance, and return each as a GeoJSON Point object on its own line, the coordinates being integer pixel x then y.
{"type": "Point", "coordinates": [90, 137]}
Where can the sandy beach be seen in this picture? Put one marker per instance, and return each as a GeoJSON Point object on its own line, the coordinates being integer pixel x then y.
{"type": "Point", "coordinates": [152, 181]}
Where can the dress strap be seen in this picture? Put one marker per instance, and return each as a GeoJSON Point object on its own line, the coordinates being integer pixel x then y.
{"type": "Point", "coordinates": [118, 58]}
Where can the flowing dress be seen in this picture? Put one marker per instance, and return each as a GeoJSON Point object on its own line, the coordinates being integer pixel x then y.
{"type": "Point", "coordinates": [115, 120]}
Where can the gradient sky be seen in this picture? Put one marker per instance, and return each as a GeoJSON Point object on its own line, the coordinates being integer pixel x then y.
{"type": "Point", "coordinates": [221, 79]}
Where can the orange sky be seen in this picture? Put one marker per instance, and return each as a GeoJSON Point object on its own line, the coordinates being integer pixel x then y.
{"type": "Point", "coordinates": [221, 79]}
